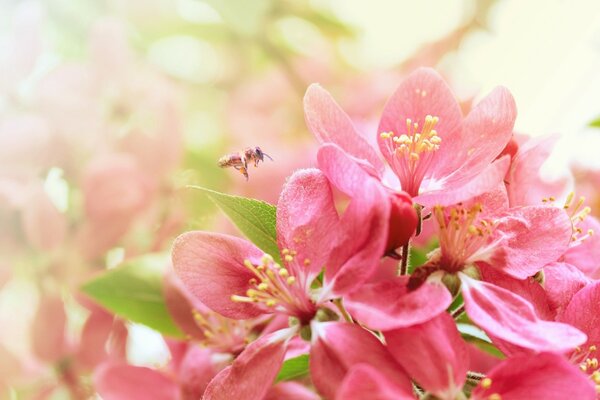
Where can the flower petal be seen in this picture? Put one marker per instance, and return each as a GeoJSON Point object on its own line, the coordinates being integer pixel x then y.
{"type": "Point", "coordinates": [292, 391]}
{"type": "Point", "coordinates": [582, 312]}
{"type": "Point", "coordinates": [330, 124]}
{"type": "Point", "coordinates": [211, 266]}
{"type": "Point", "coordinates": [115, 381]}
{"type": "Point", "coordinates": [433, 353]}
{"type": "Point", "coordinates": [195, 372]}
{"type": "Point", "coordinates": [486, 131]}
{"type": "Point", "coordinates": [342, 171]}
{"type": "Point", "coordinates": [253, 371]}
{"type": "Point", "coordinates": [307, 220]}
{"type": "Point", "coordinates": [337, 347]}
{"type": "Point", "coordinates": [389, 304]}
{"type": "Point", "coordinates": [586, 254]}
{"type": "Point", "coordinates": [562, 281]}
{"type": "Point", "coordinates": [542, 376]}
{"type": "Point", "coordinates": [512, 319]}
{"type": "Point", "coordinates": [536, 236]}
{"type": "Point", "coordinates": [423, 93]}
{"type": "Point", "coordinates": [49, 328]}
{"type": "Point", "coordinates": [364, 381]}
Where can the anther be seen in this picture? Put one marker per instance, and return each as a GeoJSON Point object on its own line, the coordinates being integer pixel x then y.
{"type": "Point", "coordinates": [486, 383]}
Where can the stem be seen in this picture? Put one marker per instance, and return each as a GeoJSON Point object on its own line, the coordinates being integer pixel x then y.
{"type": "Point", "coordinates": [458, 312]}
{"type": "Point", "coordinates": [404, 262]}
{"type": "Point", "coordinates": [340, 306]}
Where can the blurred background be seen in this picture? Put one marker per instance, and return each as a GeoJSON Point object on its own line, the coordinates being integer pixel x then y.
{"type": "Point", "coordinates": [108, 109]}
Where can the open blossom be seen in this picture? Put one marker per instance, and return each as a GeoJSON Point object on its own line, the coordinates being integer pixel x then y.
{"type": "Point", "coordinates": [235, 279]}
{"type": "Point", "coordinates": [438, 157]}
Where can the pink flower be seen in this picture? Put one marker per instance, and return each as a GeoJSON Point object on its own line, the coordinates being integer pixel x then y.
{"type": "Point", "coordinates": [438, 157]}
{"type": "Point", "coordinates": [541, 376]}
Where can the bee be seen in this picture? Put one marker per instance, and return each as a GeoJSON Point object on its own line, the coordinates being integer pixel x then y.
{"type": "Point", "coordinates": [240, 160]}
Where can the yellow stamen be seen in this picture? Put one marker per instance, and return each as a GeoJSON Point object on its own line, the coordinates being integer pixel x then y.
{"type": "Point", "coordinates": [486, 383]}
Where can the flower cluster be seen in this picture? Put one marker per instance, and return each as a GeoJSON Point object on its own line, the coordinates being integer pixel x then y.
{"type": "Point", "coordinates": [503, 306]}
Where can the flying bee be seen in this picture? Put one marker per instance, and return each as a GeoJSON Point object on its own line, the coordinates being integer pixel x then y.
{"type": "Point", "coordinates": [240, 160]}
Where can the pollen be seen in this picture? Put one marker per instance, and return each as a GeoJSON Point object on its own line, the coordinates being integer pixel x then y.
{"type": "Point", "coordinates": [495, 396]}
{"type": "Point", "coordinates": [486, 383]}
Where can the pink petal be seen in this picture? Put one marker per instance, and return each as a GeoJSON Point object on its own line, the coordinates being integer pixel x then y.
{"type": "Point", "coordinates": [542, 376]}
{"type": "Point", "coordinates": [424, 93]}
{"type": "Point", "coordinates": [433, 354]}
{"type": "Point", "coordinates": [252, 373]}
{"type": "Point", "coordinates": [195, 372]}
{"type": "Point", "coordinates": [453, 192]}
{"type": "Point", "coordinates": [512, 319]}
{"type": "Point", "coordinates": [290, 391]}
{"type": "Point", "coordinates": [524, 183]}
{"type": "Point", "coordinates": [486, 131]}
{"type": "Point", "coordinates": [389, 304]}
{"type": "Point", "coordinates": [561, 282]}
{"type": "Point", "coordinates": [45, 227]}
{"type": "Point", "coordinates": [586, 254]}
{"type": "Point", "coordinates": [330, 124]}
{"type": "Point", "coordinates": [307, 220]}
{"type": "Point", "coordinates": [181, 305]}
{"type": "Point", "coordinates": [342, 171]}
{"type": "Point", "coordinates": [364, 381]}
{"type": "Point", "coordinates": [48, 329]}
{"type": "Point", "coordinates": [96, 332]}
{"type": "Point", "coordinates": [582, 312]}
{"type": "Point", "coordinates": [362, 240]}
{"type": "Point", "coordinates": [529, 289]}
{"type": "Point", "coordinates": [211, 266]}
{"type": "Point", "coordinates": [536, 236]}
{"type": "Point", "coordinates": [337, 347]}
{"type": "Point", "coordinates": [115, 381]}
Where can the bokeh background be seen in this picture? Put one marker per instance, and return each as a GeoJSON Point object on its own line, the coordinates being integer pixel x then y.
{"type": "Point", "coordinates": [108, 109]}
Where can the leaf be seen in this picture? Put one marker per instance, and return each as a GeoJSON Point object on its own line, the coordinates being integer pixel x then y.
{"type": "Point", "coordinates": [293, 368]}
{"type": "Point", "coordinates": [134, 291]}
{"type": "Point", "coordinates": [595, 123]}
{"type": "Point", "coordinates": [476, 336]}
{"type": "Point", "coordinates": [254, 218]}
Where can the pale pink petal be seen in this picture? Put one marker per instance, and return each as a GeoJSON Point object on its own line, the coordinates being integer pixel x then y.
{"type": "Point", "coordinates": [96, 332]}
{"type": "Point", "coordinates": [252, 373]}
{"type": "Point", "coordinates": [543, 376]}
{"type": "Point", "coordinates": [49, 328]}
{"type": "Point", "coordinates": [512, 319]}
{"type": "Point", "coordinates": [364, 381]}
{"type": "Point", "coordinates": [562, 281]}
{"type": "Point", "coordinates": [423, 93]}
{"type": "Point", "coordinates": [211, 266]}
{"type": "Point", "coordinates": [195, 372]}
{"type": "Point", "coordinates": [307, 221]}
{"type": "Point", "coordinates": [330, 124]}
{"type": "Point", "coordinates": [389, 304]}
{"type": "Point", "coordinates": [486, 131]}
{"type": "Point", "coordinates": [586, 254]}
{"type": "Point", "coordinates": [290, 391]}
{"type": "Point", "coordinates": [433, 353]}
{"type": "Point", "coordinates": [115, 381]}
{"type": "Point", "coordinates": [453, 192]}
{"type": "Point", "coordinates": [337, 347]}
{"type": "Point", "coordinates": [529, 289]}
{"type": "Point", "coordinates": [45, 227]}
{"type": "Point", "coordinates": [524, 183]}
{"type": "Point", "coordinates": [582, 312]}
{"type": "Point", "coordinates": [535, 236]}
{"type": "Point", "coordinates": [480, 360]}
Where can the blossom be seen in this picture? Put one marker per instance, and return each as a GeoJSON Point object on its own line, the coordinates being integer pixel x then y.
{"type": "Point", "coordinates": [438, 157]}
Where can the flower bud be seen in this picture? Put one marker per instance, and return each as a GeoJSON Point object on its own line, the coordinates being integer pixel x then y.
{"type": "Point", "coordinates": [403, 220]}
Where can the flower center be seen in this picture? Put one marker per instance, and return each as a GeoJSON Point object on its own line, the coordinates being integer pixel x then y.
{"type": "Point", "coordinates": [274, 289]}
{"type": "Point", "coordinates": [463, 236]}
{"type": "Point", "coordinates": [413, 151]}
{"type": "Point", "coordinates": [577, 213]}
{"type": "Point", "coordinates": [221, 333]}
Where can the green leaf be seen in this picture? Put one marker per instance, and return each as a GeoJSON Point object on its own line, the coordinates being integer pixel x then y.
{"type": "Point", "coordinates": [595, 123]}
{"type": "Point", "coordinates": [476, 336]}
{"type": "Point", "coordinates": [293, 368]}
{"type": "Point", "coordinates": [134, 291]}
{"type": "Point", "coordinates": [254, 218]}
